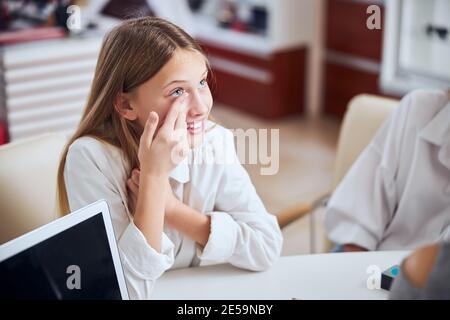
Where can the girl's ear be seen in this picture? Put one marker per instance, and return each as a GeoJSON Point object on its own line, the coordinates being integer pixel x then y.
{"type": "Point", "coordinates": [123, 106]}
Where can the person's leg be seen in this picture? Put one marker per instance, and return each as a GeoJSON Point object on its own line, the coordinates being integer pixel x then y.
{"type": "Point", "coordinates": [338, 248]}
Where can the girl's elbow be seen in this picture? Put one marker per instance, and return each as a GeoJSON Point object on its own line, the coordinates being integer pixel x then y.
{"type": "Point", "coordinates": [271, 253]}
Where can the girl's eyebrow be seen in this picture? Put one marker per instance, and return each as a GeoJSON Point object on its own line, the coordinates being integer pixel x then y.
{"type": "Point", "coordinates": [176, 81]}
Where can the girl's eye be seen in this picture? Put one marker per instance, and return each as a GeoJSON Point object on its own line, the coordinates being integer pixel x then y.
{"type": "Point", "coordinates": [177, 92]}
{"type": "Point", "coordinates": [203, 83]}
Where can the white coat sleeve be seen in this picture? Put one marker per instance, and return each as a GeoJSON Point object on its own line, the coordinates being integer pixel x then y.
{"type": "Point", "coordinates": [364, 202]}
{"type": "Point", "coordinates": [87, 180]}
{"type": "Point", "coordinates": [242, 232]}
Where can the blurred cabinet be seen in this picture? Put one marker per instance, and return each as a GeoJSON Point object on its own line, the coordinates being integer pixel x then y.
{"type": "Point", "coordinates": [352, 54]}
{"type": "Point", "coordinates": [262, 74]}
{"type": "Point", "coordinates": [265, 86]}
{"type": "Point", "coordinates": [46, 84]}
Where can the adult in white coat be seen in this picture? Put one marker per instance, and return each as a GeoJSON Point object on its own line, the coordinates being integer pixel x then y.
{"type": "Point", "coordinates": [397, 193]}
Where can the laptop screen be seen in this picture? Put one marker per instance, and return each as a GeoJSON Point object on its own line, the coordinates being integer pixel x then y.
{"type": "Point", "coordinates": [73, 264]}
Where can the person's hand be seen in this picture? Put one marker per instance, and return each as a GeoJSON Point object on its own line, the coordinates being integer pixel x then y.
{"type": "Point", "coordinates": [353, 248]}
{"type": "Point", "coordinates": [171, 201]}
{"type": "Point", "coordinates": [161, 153]}
{"type": "Point", "coordinates": [418, 266]}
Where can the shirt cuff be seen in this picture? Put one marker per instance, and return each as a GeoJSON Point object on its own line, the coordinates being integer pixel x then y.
{"type": "Point", "coordinates": [345, 232]}
{"type": "Point", "coordinates": [140, 258]}
{"type": "Point", "coordinates": [222, 238]}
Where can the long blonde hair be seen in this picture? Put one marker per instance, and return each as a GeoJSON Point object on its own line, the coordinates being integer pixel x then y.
{"type": "Point", "coordinates": [131, 54]}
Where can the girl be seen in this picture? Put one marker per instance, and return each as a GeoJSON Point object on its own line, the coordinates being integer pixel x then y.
{"type": "Point", "coordinates": [148, 110]}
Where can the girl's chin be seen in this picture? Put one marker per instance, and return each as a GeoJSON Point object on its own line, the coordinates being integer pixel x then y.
{"type": "Point", "coordinates": [196, 140]}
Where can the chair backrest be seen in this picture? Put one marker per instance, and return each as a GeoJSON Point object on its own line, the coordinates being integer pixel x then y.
{"type": "Point", "coordinates": [28, 171]}
{"type": "Point", "coordinates": [364, 115]}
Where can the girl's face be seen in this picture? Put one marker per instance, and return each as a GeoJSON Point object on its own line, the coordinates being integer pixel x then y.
{"type": "Point", "coordinates": [185, 73]}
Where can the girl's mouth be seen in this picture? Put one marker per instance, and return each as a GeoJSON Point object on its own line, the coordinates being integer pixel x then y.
{"type": "Point", "coordinates": [195, 127]}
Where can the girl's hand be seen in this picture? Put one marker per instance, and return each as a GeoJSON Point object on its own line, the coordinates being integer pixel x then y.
{"type": "Point", "coordinates": [161, 154]}
{"type": "Point", "coordinates": [171, 201]}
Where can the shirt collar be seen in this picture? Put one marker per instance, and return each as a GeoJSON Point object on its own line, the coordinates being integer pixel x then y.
{"type": "Point", "coordinates": [437, 132]}
{"type": "Point", "coordinates": [438, 129]}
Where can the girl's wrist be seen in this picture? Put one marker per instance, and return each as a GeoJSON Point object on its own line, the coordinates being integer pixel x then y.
{"type": "Point", "coordinates": [154, 174]}
{"type": "Point", "coordinates": [174, 207]}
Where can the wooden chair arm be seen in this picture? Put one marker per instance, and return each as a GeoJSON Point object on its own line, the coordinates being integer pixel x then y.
{"type": "Point", "coordinates": [293, 213]}
{"type": "Point", "coordinates": [300, 210]}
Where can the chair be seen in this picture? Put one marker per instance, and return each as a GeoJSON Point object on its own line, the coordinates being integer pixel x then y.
{"type": "Point", "coordinates": [365, 113]}
{"type": "Point", "coordinates": [28, 170]}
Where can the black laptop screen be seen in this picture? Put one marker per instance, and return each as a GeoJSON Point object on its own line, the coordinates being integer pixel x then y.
{"type": "Point", "coordinates": [74, 264]}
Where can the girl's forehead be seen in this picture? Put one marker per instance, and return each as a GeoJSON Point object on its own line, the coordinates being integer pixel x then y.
{"type": "Point", "coordinates": [184, 65]}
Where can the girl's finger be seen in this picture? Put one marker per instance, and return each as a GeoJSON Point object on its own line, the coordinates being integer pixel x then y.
{"type": "Point", "coordinates": [172, 115]}
{"type": "Point", "coordinates": [149, 129]}
{"type": "Point", "coordinates": [181, 121]}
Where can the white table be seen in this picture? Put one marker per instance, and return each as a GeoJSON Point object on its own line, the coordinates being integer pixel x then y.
{"type": "Point", "coordinates": [320, 276]}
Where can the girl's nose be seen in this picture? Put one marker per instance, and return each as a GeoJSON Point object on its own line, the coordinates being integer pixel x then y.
{"type": "Point", "coordinates": [197, 107]}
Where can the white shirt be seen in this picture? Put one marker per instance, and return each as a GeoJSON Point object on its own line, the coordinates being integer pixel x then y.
{"type": "Point", "coordinates": [242, 233]}
{"type": "Point", "coordinates": [397, 193]}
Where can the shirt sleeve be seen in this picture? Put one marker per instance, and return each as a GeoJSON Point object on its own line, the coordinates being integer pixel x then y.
{"type": "Point", "coordinates": [364, 202]}
{"type": "Point", "coordinates": [87, 180]}
{"type": "Point", "coordinates": [242, 232]}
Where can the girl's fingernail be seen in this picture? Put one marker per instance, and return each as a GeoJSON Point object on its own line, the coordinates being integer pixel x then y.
{"type": "Point", "coordinates": [152, 117]}
{"type": "Point", "coordinates": [183, 103]}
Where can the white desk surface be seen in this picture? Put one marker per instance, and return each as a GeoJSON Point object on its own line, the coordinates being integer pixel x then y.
{"type": "Point", "coordinates": [319, 276]}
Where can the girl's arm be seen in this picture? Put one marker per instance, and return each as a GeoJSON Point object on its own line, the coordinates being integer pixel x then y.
{"type": "Point", "coordinates": [178, 215]}
{"type": "Point", "coordinates": [240, 230]}
{"type": "Point", "coordinates": [190, 222]}
{"type": "Point", "coordinates": [242, 233]}
{"type": "Point", "coordinates": [149, 214]}
{"type": "Point", "coordinates": [156, 158]}
{"type": "Point", "coordinates": [90, 174]}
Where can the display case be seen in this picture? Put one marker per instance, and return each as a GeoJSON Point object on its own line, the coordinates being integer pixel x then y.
{"type": "Point", "coordinates": [416, 45]}
{"type": "Point", "coordinates": [46, 84]}
{"type": "Point", "coordinates": [259, 67]}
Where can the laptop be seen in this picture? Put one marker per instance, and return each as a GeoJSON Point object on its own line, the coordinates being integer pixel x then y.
{"type": "Point", "coordinates": [74, 257]}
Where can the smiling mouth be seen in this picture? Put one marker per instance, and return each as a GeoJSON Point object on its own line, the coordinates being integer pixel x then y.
{"type": "Point", "coordinates": [195, 127]}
